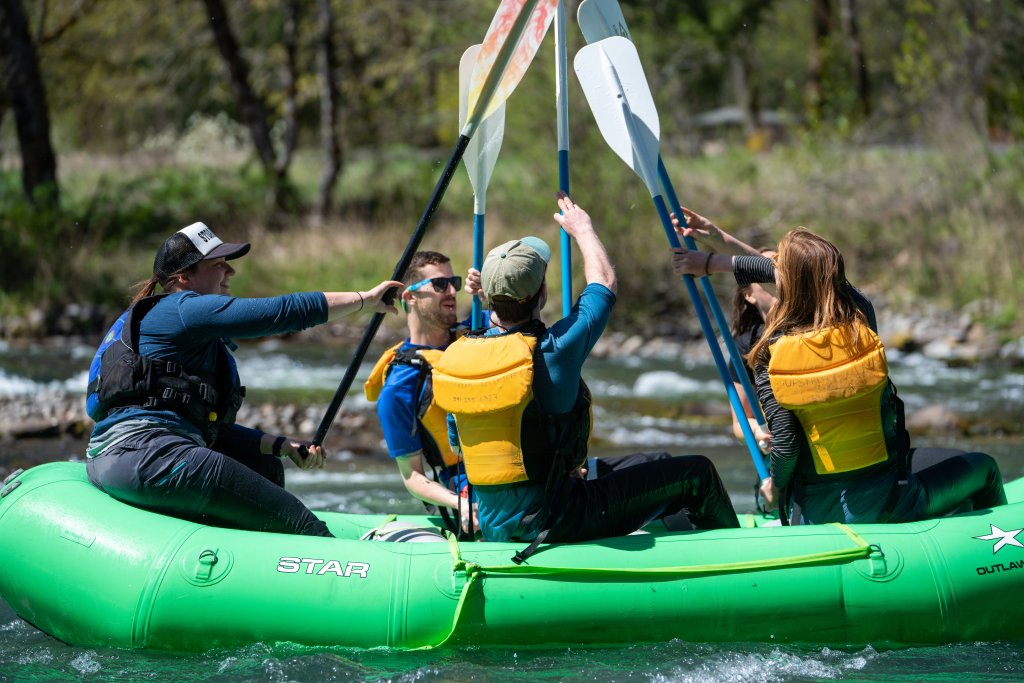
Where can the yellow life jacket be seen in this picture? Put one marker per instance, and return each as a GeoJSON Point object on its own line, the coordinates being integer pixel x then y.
{"type": "Point", "coordinates": [432, 426]}
{"type": "Point", "coordinates": [486, 382]}
{"type": "Point", "coordinates": [835, 385]}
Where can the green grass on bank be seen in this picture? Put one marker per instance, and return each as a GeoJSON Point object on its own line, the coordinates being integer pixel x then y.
{"type": "Point", "coordinates": [919, 227]}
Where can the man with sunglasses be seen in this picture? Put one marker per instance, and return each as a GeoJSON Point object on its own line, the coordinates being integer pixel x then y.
{"type": "Point", "coordinates": [414, 429]}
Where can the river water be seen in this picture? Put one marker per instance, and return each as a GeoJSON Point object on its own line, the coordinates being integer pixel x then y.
{"type": "Point", "coordinates": [668, 404]}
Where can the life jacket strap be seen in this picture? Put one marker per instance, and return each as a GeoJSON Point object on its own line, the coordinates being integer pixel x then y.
{"type": "Point", "coordinates": [524, 554]}
{"type": "Point", "coordinates": [554, 495]}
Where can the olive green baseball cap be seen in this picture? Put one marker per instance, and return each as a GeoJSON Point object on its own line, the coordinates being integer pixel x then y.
{"type": "Point", "coordinates": [515, 269]}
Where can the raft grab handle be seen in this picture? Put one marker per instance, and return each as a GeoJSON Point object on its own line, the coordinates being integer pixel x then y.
{"type": "Point", "coordinates": [204, 566]}
{"type": "Point", "coordinates": [11, 476]}
{"type": "Point", "coordinates": [10, 483]}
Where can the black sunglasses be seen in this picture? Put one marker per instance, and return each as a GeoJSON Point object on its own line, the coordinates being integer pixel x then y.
{"type": "Point", "coordinates": [440, 284]}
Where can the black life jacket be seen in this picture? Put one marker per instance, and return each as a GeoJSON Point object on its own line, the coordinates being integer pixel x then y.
{"type": "Point", "coordinates": [124, 378]}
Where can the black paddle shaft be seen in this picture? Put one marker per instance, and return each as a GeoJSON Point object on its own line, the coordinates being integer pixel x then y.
{"type": "Point", "coordinates": [403, 264]}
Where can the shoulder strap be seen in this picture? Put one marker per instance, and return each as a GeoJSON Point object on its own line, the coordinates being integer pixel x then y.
{"type": "Point", "coordinates": [133, 323]}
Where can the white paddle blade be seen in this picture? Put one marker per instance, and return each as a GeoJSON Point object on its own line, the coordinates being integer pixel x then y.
{"type": "Point", "coordinates": [526, 31]}
{"type": "Point", "coordinates": [466, 65]}
{"type": "Point", "coordinates": [600, 19]}
{"type": "Point", "coordinates": [485, 145]}
{"type": "Point", "coordinates": [616, 89]}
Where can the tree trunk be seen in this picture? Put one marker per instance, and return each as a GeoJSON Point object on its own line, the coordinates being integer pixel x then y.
{"type": "Point", "coordinates": [739, 72]}
{"type": "Point", "coordinates": [291, 127]}
{"type": "Point", "coordinates": [821, 21]}
{"type": "Point", "coordinates": [251, 106]}
{"type": "Point", "coordinates": [327, 63]}
{"type": "Point", "coordinates": [23, 83]}
{"type": "Point", "coordinates": [859, 62]}
{"type": "Point", "coordinates": [5, 102]}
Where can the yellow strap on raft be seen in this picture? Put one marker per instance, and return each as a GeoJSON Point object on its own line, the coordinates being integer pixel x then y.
{"type": "Point", "coordinates": [473, 571]}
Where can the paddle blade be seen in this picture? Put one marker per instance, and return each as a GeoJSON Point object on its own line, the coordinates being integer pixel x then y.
{"type": "Point", "coordinates": [616, 89]}
{"type": "Point", "coordinates": [511, 42]}
{"type": "Point", "coordinates": [484, 146]}
{"type": "Point", "coordinates": [600, 19]}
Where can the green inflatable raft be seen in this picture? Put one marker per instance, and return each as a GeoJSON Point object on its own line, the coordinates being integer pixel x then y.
{"type": "Point", "coordinates": [91, 571]}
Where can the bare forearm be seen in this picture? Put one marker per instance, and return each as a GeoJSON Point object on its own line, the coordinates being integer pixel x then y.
{"type": "Point", "coordinates": [737, 247]}
{"type": "Point", "coordinates": [427, 490]}
{"type": "Point", "coordinates": [597, 267]}
{"type": "Point", "coordinates": [373, 300]}
{"type": "Point", "coordinates": [343, 303]}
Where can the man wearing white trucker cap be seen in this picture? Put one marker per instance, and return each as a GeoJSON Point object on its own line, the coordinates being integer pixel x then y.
{"type": "Point", "coordinates": [164, 391]}
{"type": "Point", "coordinates": [521, 411]}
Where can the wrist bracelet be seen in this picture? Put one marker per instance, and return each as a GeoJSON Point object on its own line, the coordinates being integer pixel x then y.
{"type": "Point", "coordinates": [361, 302]}
{"type": "Point", "coordinates": [707, 264]}
{"type": "Point", "coordinates": [276, 449]}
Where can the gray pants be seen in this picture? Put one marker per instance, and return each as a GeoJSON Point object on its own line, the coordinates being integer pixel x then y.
{"type": "Point", "coordinates": [168, 473]}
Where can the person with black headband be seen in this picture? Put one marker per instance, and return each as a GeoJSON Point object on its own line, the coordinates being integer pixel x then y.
{"type": "Point", "coordinates": [164, 391]}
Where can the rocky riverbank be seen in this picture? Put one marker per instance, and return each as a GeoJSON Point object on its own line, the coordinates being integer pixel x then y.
{"type": "Point", "coordinates": [952, 338]}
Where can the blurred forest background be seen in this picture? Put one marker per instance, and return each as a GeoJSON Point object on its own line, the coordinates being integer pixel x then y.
{"type": "Point", "coordinates": [317, 128]}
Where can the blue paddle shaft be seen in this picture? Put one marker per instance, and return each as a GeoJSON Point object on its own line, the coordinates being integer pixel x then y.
{"type": "Point", "coordinates": [566, 243]}
{"type": "Point", "coordinates": [716, 350]}
{"type": "Point", "coordinates": [477, 318]}
{"type": "Point", "coordinates": [716, 309]}
{"type": "Point", "coordinates": [562, 107]}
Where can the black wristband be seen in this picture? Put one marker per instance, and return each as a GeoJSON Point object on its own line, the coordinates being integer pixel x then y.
{"type": "Point", "coordinates": [276, 449]}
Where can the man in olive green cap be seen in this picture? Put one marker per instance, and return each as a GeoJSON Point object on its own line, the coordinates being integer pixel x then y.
{"type": "Point", "coordinates": [523, 473]}
{"type": "Point", "coordinates": [515, 270]}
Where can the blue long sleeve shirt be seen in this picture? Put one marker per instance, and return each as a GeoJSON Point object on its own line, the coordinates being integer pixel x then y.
{"type": "Point", "coordinates": [188, 328]}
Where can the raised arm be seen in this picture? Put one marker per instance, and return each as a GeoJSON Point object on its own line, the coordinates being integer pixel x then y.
{"type": "Point", "coordinates": [597, 267]}
{"type": "Point", "coordinates": [710, 235]}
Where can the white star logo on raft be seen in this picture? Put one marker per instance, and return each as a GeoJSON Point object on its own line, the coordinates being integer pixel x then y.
{"type": "Point", "coordinates": [1005, 538]}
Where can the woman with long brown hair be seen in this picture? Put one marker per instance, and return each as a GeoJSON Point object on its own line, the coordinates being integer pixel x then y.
{"type": "Point", "coordinates": [839, 447]}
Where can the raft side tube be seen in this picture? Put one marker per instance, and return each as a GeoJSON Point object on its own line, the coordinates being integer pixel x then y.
{"type": "Point", "coordinates": [92, 571]}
